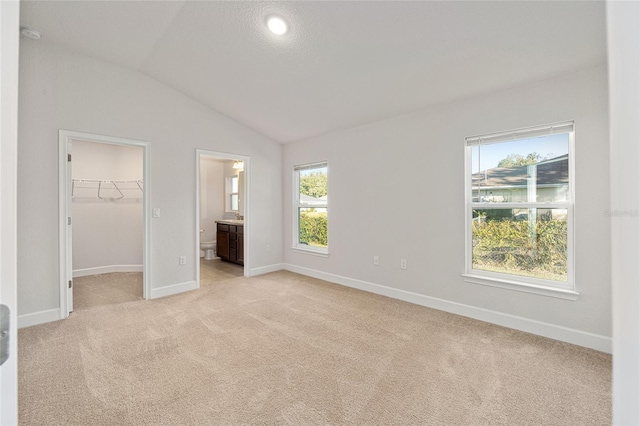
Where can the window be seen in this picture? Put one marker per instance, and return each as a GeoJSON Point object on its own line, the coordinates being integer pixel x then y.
{"type": "Point", "coordinates": [310, 208]}
{"type": "Point", "coordinates": [519, 209]}
{"type": "Point", "coordinates": [231, 194]}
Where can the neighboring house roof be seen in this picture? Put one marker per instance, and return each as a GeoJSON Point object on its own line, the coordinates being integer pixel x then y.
{"type": "Point", "coordinates": [310, 200]}
{"type": "Point", "coordinates": [554, 171]}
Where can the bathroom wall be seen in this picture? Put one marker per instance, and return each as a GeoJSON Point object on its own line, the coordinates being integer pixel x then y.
{"type": "Point", "coordinates": [107, 232]}
{"type": "Point", "coordinates": [211, 196]}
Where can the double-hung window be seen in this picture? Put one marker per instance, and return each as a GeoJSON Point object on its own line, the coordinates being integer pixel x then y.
{"type": "Point", "coordinates": [519, 209]}
{"type": "Point", "coordinates": [310, 204]}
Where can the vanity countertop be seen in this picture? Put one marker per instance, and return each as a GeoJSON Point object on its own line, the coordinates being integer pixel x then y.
{"type": "Point", "coordinates": [231, 222]}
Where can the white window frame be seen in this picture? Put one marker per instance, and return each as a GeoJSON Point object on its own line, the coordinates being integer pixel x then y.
{"type": "Point", "coordinates": [297, 204]}
{"type": "Point", "coordinates": [228, 186]}
{"type": "Point", "coordinates": [563, 290]}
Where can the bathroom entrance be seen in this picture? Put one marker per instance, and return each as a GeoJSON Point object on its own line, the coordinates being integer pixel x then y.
{"type": "Point", "coordinates": [221, 216]}
{"type": "Point", "coordinates": [104, 198]}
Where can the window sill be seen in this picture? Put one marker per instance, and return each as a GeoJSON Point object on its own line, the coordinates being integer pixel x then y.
{"type": "Point", "coordinates": [521, 286]}
{"type": "Point", "coordinates": [310, 251]}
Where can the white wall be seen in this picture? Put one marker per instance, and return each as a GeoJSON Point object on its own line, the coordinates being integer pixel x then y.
{"type": "Point", "coordinates": [211, 196]}
{"type": "Point", "coordinates": [623, 36]}
{"type": "Point", "coordinates": [108, 232]}
{"type": "Point", "coordinates": [396, 190]}
{"type": "Point", "coordinates": [60, 89]}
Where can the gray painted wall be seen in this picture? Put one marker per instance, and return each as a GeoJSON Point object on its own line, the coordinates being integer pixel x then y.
{"type": "Point", "coordinates": [60, 89]}
{"type": "Point", "coordinates": [396, 190]}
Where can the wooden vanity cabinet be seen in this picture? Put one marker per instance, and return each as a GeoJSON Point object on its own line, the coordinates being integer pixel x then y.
{"type": "Point", "coordinates": [230, 243]}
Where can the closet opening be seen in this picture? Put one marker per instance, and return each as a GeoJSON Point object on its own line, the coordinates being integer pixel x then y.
{"type": "Point", "coordinates": [104, 226]}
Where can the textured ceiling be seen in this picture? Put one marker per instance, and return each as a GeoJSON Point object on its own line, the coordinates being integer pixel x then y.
{"type": "Point", "coordinates": [341, 64]}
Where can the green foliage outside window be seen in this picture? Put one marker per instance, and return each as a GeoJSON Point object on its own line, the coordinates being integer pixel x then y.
{"type": "Point", "coordinates": [314, 184]}
{"type": "Point", "coordinates": [517, 160]}
{"type": "Point", "coordinates": [313, 228]}
{"type": "Point", "coordinates": [313, 222]}
{"type": "Point", "coordinates": [512, 247]}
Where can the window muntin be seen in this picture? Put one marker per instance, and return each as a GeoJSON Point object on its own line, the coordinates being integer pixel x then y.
{"type": "Point", "coordinates": [311, 207]}
{"type": "Point", "coordinates": [520, 206]}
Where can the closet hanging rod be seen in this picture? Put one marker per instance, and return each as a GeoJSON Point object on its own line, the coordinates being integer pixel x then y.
{"type": "Point", "coordinates": [107, 181]}
{"type": "Point", "coordinates": [100, 185]}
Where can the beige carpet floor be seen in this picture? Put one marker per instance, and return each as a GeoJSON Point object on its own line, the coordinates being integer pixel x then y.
{"type": "Point", "coordinates": [284, 349]}
{"type": "Point", "coordinates": [106, 289]}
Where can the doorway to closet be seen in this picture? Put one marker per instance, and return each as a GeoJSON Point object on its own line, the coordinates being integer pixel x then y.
{"type": "Point", "coordinates": [105, 228]}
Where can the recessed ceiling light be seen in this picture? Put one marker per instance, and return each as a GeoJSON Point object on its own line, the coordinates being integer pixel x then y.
{"type": "Point", "coordinates": [277, 25]}
{"type": "Point", "coordinates": [30, 33]}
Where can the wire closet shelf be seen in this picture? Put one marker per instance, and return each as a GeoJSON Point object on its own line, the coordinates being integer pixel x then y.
{"type": "Point", "coordinates": [106, 189]}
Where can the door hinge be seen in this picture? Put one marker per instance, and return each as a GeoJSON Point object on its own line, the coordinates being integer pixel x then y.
{"type": "Point", "coordinates": [70, 283]}
{"type": "Point", "coordinates": [69, 220]}
{"type": "Point", "coordinates": [69, 157]}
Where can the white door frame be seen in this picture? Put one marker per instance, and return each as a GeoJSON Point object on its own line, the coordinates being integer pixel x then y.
{"type": "Point", "coordinates": [9, 46]}
{"type": "Point", "coordinates": [247, 206]}
{"type": "Point", "coordinates": [65, 137]}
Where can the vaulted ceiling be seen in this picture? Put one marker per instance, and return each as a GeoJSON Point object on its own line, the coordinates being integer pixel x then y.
{"type": "Point", "coordinates": [341, 64]}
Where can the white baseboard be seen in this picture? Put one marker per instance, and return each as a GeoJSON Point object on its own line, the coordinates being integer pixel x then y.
{"type": "Point", "coordinates": [36, 318]}
{"type": "Point", "coordinates": [266, 269]}
{"type": "Point", "coordinates": [556, 332]}
{"type": "Point", "coordinates": [170, 290]}
{"type": "Point", "coordinates": [106, 270]}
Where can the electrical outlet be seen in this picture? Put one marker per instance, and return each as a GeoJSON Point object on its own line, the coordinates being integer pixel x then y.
{"type": "Point", "coordinates": [155, 212]}
{"type": "Point", "coordinates": [403, 263]}
{"type": "Point", "coordinates": [267, 247]}
{"type": "Point", "coordinates": [376, 260]}
{"type": "Point", "coordinates": [182, 260]}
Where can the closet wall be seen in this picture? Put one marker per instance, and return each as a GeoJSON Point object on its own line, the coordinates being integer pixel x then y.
{"type": "Point", "coordinates": [107, 223]}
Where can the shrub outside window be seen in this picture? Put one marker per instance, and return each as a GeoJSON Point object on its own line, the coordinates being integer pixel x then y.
{"type": "Point", "coordinates": [519, 208]}
{"type": "Point", "coordinates": [311, 207]}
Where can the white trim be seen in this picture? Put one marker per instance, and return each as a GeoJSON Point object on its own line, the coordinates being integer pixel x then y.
{"type": "Point", "coordinates": [65, 137]}
{"type": "Point", "coordinates": [314, 252]}
{"type": "Point", "coordinates": [107, 270]}
{"type": "Point", "coordinates": [266, 269]}
{"type": "Point", "coordinates": [522, 286]}
{"type": "Point", "coordinates": [522, 133]}
{"type": "Point", "coordinates": [9, 77]}
{"type": "Point", "coordinates": [37, 318]}
{"type": "Point", "coordinates": [170, 290]}
{"type": "Point", "coordinates": [552, 331]}
{"type": "Point", "coordinates": [64, 240]}
{"type": "Point", "coordinates": [247, 206]}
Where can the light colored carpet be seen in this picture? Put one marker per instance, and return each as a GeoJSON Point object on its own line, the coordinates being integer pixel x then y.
{"type": "Point", "coordinates": [106, 289]}
{"type": "Point", "coordinates": [284, 349]}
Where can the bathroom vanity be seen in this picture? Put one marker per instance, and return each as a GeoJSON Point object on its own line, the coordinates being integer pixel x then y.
{"type": "Point", "coordinates": [230, 240]}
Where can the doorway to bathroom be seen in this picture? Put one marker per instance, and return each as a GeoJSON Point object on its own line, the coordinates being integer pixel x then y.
{"type": "Point", "coordinates": [222, 216]}
{"type": "Point", "coordinates": [103, 228]}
